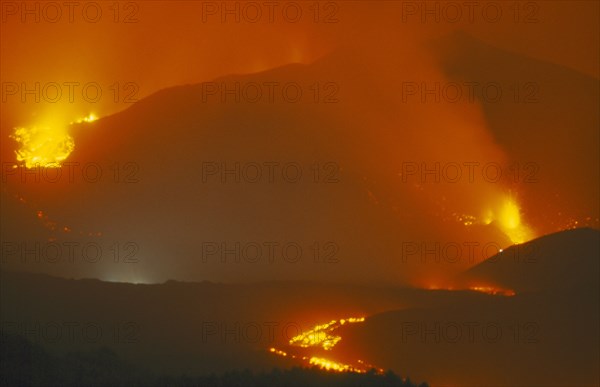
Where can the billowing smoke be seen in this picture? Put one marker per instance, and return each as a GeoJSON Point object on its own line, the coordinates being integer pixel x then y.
{"type": "Point", "coordinates": [423, 167]}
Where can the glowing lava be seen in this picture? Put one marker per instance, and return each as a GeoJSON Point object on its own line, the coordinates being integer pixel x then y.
{"type": "Point", "coordinates": [46, 144]}
{"type": "Point", "coordinates": [506, 215]}
{"type": "Point", "coordinates": [43, 146]}
{"type": "Point", "coordinates": [330, 365]}
{"type": "Point", "coordinates": [89, 118]}
{"type": "Point", "coordinates": [277, 352]}
{"type": "Point", "coordinates": [509, 221]}
{"type": "Point", "coordinates": [322, 335]}
{"type": "Point", "coordinates": [493, 291]}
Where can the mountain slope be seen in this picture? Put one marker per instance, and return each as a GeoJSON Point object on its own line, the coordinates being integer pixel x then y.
{"type": "Point", "coordinates": [560, 261]}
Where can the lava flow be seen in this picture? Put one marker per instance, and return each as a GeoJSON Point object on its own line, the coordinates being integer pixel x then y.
{"type": "Point", "coordinates": [323, 336]}
{"type": "Point", "coordinates": [493, 291]}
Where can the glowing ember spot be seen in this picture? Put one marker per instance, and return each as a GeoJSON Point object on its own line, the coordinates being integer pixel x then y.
{"type": "Point", "coordinates": [368, 366]}
{"type": "Point", "coordinates": [89, 118]}
{"type": "Point", "coordinates": [46, 221]}
{"type": "Point", "coordinates": [493, 291]}
{"type": "Point", "coordinates": [488, 217]}
{"type": "Point", "coordinates": [277, 352]}
{"type": "Point", "coordinates": [465, 219]}
{"type": "Point", "coordinates": [322, 335]}
{"type": "Point", "coordinates": [42, 146]}
{"type": "Point", "coordinates": [331, 365]}
{"type": "Point", "coordinates": [438, 287]}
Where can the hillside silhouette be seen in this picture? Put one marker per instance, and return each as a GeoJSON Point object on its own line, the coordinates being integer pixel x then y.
{"type": "Point", "coordinates": [25, 364]}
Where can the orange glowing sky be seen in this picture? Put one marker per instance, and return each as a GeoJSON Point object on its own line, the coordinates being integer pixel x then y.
{"type": "Point", "coordinates": [170, 45]}
{"type": "Point", "coordinates": [166, 45]}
